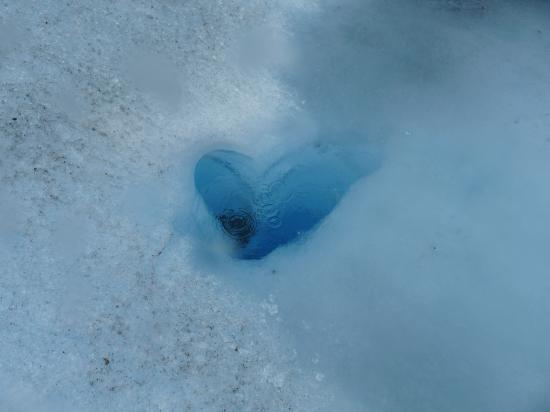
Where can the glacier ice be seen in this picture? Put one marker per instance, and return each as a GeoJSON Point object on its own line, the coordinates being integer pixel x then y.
{"type": "Point", "coordinates": [424, 289]}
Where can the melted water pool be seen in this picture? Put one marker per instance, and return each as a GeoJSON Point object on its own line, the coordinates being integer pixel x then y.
{"type": "Point", "coordinates": [259, 209]}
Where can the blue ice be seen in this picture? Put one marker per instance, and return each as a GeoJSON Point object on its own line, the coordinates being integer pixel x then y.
{"type": "Point", "coordinates": [259, 209]}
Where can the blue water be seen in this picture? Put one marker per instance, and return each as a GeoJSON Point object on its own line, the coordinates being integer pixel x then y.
{"type": "Point", "coordinates": [260, 209]}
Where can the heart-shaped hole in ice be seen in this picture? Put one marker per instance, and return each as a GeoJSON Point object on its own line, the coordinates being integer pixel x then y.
{"type": "Point", "coordinates": [259, 209]}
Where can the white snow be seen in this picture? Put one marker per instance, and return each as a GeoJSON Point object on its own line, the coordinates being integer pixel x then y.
{"type": "Point", "coordinates": [425, 290]}
{"type": "Point", "coordinates": [97, 101]}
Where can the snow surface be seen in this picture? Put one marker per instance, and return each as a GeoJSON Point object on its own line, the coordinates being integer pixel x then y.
{"type": "Point", "coordinates": [425, 290]}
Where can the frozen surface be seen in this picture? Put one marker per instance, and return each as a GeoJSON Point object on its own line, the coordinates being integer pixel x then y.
{"type": "Point", "coordinates": [426, 289]}
{"type": "Point", "coordinates": [99, 101]}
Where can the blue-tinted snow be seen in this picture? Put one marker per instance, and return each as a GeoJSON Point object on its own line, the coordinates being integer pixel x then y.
{"type": "Point", "coordinates": [426, 288]}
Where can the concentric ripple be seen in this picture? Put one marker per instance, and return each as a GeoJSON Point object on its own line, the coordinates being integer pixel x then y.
{"type": "Point", "coordinates": [240, 225]}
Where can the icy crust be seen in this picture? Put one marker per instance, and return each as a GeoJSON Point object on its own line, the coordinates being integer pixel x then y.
{"type": "Point", "coordinates": [95, 312]}
{"type": "Point", "coordinates": [433, 297]}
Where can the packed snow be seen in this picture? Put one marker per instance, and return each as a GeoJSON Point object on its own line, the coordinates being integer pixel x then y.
{"type": "Point", "coordinates": [425, 289]}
